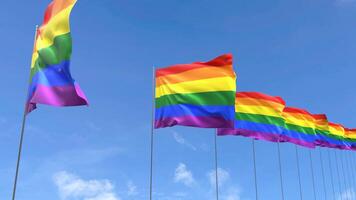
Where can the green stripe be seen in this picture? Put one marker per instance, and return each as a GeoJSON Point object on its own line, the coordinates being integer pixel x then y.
{"type": "Point", "coordinates": [205, 98]}
{"type": "Point", "coordinates": [264, 119]}
{"type": "Point", "coordinates": [300, 129]}
{"type": "Point", "coordinates": [59, 51]}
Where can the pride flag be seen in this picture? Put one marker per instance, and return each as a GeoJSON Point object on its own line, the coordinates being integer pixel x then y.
{"type": "Point", "coordinates": [200, 94]}
{"type": "Point", "coordinates": [50, 80]}
{"type": "Point", "coordinates": [299, 127]}
{"type": "Point", "coordinates": [258, 116]}
{"type": "Point", "coordinates": [350, 135]}
{"type": "Point", "coordinates": [337, 136]}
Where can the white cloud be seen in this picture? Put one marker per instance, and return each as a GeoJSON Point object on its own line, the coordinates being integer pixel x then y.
{"type": "Point", "coordinates": [72, 187]}
{"type": "Point", "coordinates": [181, 140]}
{"type": "Point", "coordinates": [223, 176]}
{"type": "Point", "coordinates": [348, 194]}
{"type": "Point", "coordinates": [183, 175]}
{"type": "Point", "coordinates": [233, 194]}
{"type": "Point", "coordinates": [131, 189]}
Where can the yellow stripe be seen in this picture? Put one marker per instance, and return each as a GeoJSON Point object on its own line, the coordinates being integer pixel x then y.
{"type": "Point", "coordinates": [259, 102]}
{"type": "Point", "coordinates": [258, 110]}
{"type": "Point", "coordinates": [58, 25]}
{"type": "Point", "coordinates": [205, 85]}
{"type": "Point", "coordinates": [336, 131]}
{"type": "Point", "coordinates": [290, 119]}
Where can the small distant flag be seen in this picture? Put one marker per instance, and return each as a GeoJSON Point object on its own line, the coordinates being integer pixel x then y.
{"type": "Point", "coordinates": [200, 94]}
{"type": "Point", "coordinates": [300, 127]}
{"type": "Point", "coordinates": [51, 82]}
{"type": "Point", "coordinates": [258, 116]}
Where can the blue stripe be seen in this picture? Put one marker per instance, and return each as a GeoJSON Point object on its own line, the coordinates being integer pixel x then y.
{"type": "Point", "coordinates": [335, 141]}
{"type": "Point", "coordinates": [273, 129]}
{"type": "Point", "coordinates": [180, 110]}
{"type": "Point", "coordinates": [53, 75]}
{"type": "Point", "coordinates": [258, 127]}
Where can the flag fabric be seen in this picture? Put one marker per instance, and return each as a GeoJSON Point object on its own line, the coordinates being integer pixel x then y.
{"type": "Point", "coordinates": [337, 136]}
{"type": "Point", "coordinates": [258, 116]}
{"type": "Point", "coordinates": [350, 134]}
{"type": "Point", "coordinates": [299, 127]}
{"type": "Point", "coordinates": [200, 94]}
{"type": "Point", "coordinates": [51, 82]}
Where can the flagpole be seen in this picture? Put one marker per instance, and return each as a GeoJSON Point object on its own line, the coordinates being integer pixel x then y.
{"type": "Point", "coordinates": [338, 173]}
{"type": "Point", "coordinates": [216, 167]}
{"type": "Point", "coordinates": [280, 170]}
{"type": "Point", "coordinates": [298, 168]}
{"type": "Point", "coordinates": [331, 174]}
{"type": "Point", "coordinates": [312, 172]}
{"type": "Point", "coordinates": [322, 173]}
{"type": "Point", "coordinates": [254, 167]}
{"type": "Point", "coordinates": [152, 129]}
{"type": "Point", "coordinates": [22, 134]}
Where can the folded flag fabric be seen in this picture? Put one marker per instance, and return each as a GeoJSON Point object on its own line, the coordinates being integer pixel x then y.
{"type": "Point", "coordinates": [350, 134]}
{"type": "Point", "coordinates": [258, 116]}
{"type": "Point", "coordinates": [200, 94]}
{"type": "Point", "coordinates": [337, 136]}
{"type": "Point", "coordinates": [51, 82]}
{"type": "Point", "coordinates": [299, 127]}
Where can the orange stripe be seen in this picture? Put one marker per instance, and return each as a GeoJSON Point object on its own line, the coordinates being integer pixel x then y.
{"type": "Point", "coordinates": [56, 7]}
{"type": "Point", "coordinates": [196, 74]}
{"type": "Point", "coordinates": [259, 102]}
{"type": "Point", "coordinates": [257, 95]}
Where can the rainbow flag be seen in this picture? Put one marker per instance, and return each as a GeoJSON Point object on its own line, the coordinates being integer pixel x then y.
{"type": "Point", "coordinates": [300, 127]}
{"type": "Point", "coordinates": [50, 80]}
{"type": "Point", "coordinates": [258, 116]}
{"type": "Point", "coordinates": [350, 134]}
{"type": "Point", "coordinates": [322, 130]}
{"type": "Point", "coordinates": [337, 136]}
{"type": "Point", "coordinates": [200, 94]}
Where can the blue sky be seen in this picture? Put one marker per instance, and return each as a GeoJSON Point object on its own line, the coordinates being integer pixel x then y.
{"type": "Point", "coordinates": [300, 50]}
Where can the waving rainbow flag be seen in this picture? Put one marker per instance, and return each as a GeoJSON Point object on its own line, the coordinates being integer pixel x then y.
{"type": "Point", "coordinates": [350, 134]}
{"type": "Point", "coordinates": [258, 116]}
{"type": "Point", "coordinates": [300, 127]}
{"type": "Point", "coordinates": [200, 94]}
{"type": "Point", "coordinates": [50, 80]}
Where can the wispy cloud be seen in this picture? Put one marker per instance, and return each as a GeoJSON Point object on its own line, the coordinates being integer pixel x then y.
{"type": "Point", "coordinates": [348, 194]}
{"type": "Point", "coordinates": [131, 189]}
{"type": "Point", "coordinates": [233, 194]}
{"type": "Point", "coordinates": [181, 140]}
{"type": "Point", "coordinates": [183, 175]}
{"type": "Point", "coordinates": [223, 176]}
{"type": "Point", "coordinates": [72, 187]}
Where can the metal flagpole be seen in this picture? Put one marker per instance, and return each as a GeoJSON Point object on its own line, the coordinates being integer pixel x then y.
{"type": "Point", "coordinates": [254, 167]}
{"type": "Point", "coordinates": [22, 135]}
{"type": "Point", "coordinates": [152, 129]}
{"type": "Point", "coordinates": [343, 173]}
{"type": "Point", "coordinates": [216, 166]}
{"type": "Point", "coordinates": [322, 173]}
{"type": "Point", "coordinates": [298, 168]}
{"type": "Point", "coordinates": [280, 170]}
{"type": "Point", "coordinates": [331, 175]}
{"type": "Point", "coordinates": [312, 172]}
{"type": "Point", "coordinates": [352, 171]}
{"type": "Point", "coordinates": [338, 173]}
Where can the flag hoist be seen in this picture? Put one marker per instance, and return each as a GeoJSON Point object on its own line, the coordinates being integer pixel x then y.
{"type": "Point", "coordinates": [50, 80]}
{"type": "Point", "coordinates": [200, 94]}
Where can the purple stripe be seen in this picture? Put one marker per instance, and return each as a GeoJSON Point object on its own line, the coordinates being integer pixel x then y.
{"type": "Point", "coordinates": [70, 95]}
{"type": "Point", "coordinates": [264, 136]}
{"type": "Point", "coordinates": [202, 122]}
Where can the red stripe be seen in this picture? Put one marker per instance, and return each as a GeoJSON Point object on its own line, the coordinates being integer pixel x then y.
{"type": "Point", "coordinates": [296, 110]}
{"type": "Point", "coordinates": [48, 13]}
{"type": "Point", "coordinates": [223, 60]}
{"type": "Point", "coordinates": [320, 117]}
{"type": "Point", "coordinates": [257, 95]}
